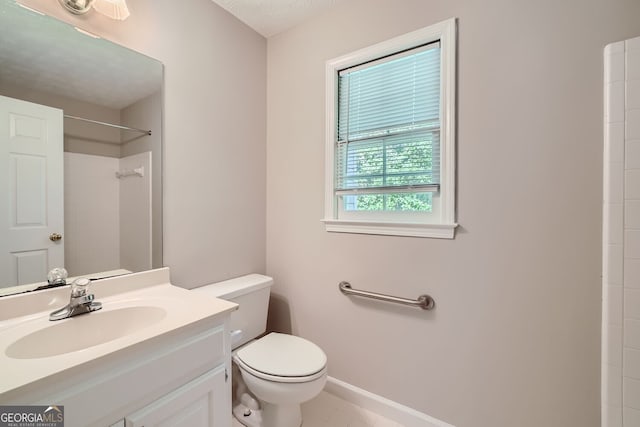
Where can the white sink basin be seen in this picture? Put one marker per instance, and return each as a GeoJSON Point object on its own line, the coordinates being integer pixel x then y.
{"type": "Point", "coordinates": [139, 310]}
{"type": "Point", "coordinates": [84, 331]}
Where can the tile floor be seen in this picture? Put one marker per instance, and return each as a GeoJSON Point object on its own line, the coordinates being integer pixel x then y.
{"type": "Point", "coordinates": [327, 410]}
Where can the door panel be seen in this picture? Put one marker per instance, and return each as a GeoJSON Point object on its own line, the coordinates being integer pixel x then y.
{"type": "Point", "coordinates": [28, 191]}
{"type": "Point", "coordinates": [30, 266]}
{"type": "Point", "coordinates": [31, 187]}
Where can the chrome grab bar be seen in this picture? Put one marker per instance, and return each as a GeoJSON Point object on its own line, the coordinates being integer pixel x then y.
{"type": "Point", "coordinates": [424, 302]}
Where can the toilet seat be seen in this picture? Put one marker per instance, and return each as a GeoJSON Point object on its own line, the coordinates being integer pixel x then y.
{"type": "Point", "coordinates": [282, 358]}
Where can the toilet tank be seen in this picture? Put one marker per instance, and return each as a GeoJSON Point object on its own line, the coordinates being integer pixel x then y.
{"type": "Point", "coordinates": [251, 293]}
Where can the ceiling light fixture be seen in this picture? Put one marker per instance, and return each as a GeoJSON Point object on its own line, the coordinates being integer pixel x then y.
{"type": "Point", "coordinates": [77, 7]}
{"type": "Point", "coordinates": [114, 9]}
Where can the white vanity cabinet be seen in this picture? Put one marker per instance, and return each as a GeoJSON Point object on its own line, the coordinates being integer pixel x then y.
{"type": "Point", "coordinates": [112, 368]}
{"type": "Point", "coordinates": [199, 403]}
{"type": "Point", "coordinates": [178, 379]}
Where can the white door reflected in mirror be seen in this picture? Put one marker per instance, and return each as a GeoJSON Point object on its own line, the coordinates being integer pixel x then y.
{"type": "Point", "coordinates": [31, 180]}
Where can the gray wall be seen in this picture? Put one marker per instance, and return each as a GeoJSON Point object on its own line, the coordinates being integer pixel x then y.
{"type": "Point", "coordinates": [214, 131]}
{"type": "Point", "coordinates": [515, 337]}
{"type": "Point", "coordinates": [146, 114]}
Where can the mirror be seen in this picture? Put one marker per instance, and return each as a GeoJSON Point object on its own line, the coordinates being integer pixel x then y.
{"type": "Point", "coordinates": [80, 153]}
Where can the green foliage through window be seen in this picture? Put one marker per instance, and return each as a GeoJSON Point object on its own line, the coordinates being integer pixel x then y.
{"type": "Point", "coordinates": [388, 132]}
{"type": "Point", "coordinates": [409, 202]}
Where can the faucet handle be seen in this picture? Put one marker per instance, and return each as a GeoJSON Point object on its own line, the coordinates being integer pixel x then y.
{"type": "Point", "coordinates": [57, 276]}
{"type": "Point", "coordinates": [79, 287]}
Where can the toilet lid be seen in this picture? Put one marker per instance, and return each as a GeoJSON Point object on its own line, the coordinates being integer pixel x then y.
{"type": "Point", "coordinates": [283, 355]}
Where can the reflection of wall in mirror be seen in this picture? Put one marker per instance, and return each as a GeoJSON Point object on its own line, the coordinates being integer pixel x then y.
{"type": "Point", "coordinates": [108, 220]}
{"type": "Point", "coordinates": [93, 226]}
{"type": "Point", "coordinates": [146, 114]}
{"type": "Point", "coordinates": [135, 213]}
{"type": "Point", "coordinates": [92, 210]}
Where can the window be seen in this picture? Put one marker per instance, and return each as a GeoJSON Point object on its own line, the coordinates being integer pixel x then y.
{"type": "Point", "coordinates": [390, 137]}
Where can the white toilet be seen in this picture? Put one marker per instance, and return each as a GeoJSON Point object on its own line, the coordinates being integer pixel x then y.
{"type": "Point", "coordinates": [281, 370]}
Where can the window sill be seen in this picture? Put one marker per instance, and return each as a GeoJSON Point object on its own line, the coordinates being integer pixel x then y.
{"type": "Point", "coordinates": [436, 231]}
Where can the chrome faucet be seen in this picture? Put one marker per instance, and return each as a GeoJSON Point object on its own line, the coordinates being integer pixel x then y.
{"type": "Point", "coordinates": [81, 302]}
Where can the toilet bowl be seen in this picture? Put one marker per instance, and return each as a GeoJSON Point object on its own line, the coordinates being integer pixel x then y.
{"type": "Point", "coordinates": [280, 370]}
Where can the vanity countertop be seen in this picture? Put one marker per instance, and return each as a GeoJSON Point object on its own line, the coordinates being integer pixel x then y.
{"type": "Point", "coordinates": [11, 290]}
{"type": "Point", "coordinates": [160, 306]}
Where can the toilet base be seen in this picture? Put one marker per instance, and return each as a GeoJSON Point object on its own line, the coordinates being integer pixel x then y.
{"type": "Point", "coordinates": [269, 416]}
{"type": "Point", "coordinates": [246, 416]}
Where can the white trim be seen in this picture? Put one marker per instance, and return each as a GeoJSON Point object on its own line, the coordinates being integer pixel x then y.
{"type": "Point", "coordinates": [330, 205]}
{"type": "Point", "coordinates": [382, 406]}
{"type": "Point", "coordinates": [437, 231]}
{"type": "Point", "coordinates": [448, 120]}
{"type": "Point", "coordinates": [444, 31]}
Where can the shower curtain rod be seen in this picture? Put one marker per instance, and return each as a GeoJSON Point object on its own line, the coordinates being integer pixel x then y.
{"type": "Point", "coordinates": [148, 132]}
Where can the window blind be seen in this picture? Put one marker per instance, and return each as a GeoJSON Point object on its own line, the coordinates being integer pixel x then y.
{"type": "Point", "coordinates": [388, 127]}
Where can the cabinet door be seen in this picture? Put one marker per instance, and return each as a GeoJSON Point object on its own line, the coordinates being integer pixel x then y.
{"type": "Point", "coordinates": [199, 403]}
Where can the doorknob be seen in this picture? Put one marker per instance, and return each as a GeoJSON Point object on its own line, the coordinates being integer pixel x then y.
{"type": "Point", "coordinates": [54, 237]}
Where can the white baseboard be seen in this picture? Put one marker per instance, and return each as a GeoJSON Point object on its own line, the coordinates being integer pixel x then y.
{"type": "Point", "coordinates": [382, 406]}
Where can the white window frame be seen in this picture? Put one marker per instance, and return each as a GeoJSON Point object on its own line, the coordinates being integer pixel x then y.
{"type": "Point", "coordinates": [444, 225]}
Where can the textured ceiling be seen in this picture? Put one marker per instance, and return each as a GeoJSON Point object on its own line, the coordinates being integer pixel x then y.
{"type": "Point", "coordinates": [47, 55]}
{"type": "Point", "coordinates": [270, 17]}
